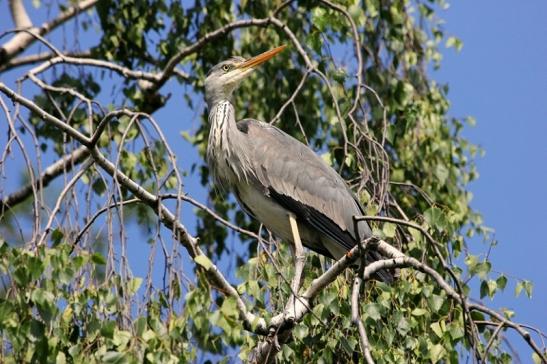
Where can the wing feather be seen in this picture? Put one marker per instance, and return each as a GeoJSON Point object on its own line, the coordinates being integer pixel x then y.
{"type": "Point", "coordinates": [303, 182]}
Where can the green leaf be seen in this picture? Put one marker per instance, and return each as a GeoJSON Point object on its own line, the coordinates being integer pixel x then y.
{"type": "Point", "coordinates": [134, 285]}
{"type": "Point", "coordinates": [437, 351]}
{"type": "Point", "coordinates": [482, 269]}
{"type": "Point", "coordinates": [372, 310]}
{"type": "Point", "coordinates": [508, 313]}
{"type": "Point", "coordinates": [347, 345]}
{"type": "Point", "coordinates": [435, 218]}
{"type": "Point", "coordinates": [121, 338]}
{"type": "Point", "coordinates": [389, 230]}
{"type": "Point", "coordinates": [435, 302]}
{"type": "Point", "coordinates": [518, 288]}
{"type": "Point", "coordinates": [60, 358]}
{"type": "Point", "coordinates": [536, 358]}
{"type": "Point", "coordinates": [454, 42]}
{"type": "Point", "coordinates": [186, 136]}
{"type": "Point", "coordinates": [418, 312]}
{"type": "Point", "coordinates": [114, 357]}
{"type": "Point", "coordinates": [456, 331]}
{"type": "Point", "coordinates": [21, 277]}
{"type": "Point", "coordinates": [140, 325]}
{"type": "Point", "coordinates": [56, 237]}
{"type": "Point", "coordinates": [320, 18]}
{"type": "Point", "coordinates": [528, 287]}
{"type": "Point", "coordinates": [204, 261]}
{"type": "Point", "coordinates": [229, 307]}
{"type": "Point", "coordinates": [148, 335]}
{"type": "Point", "coordinates": [488, 288]}
{"type": "Point", "coordinates": [99, 186]}
{"type": "Point", "coordinates": [501, 282]}
{"type": "Point", "coordinates": [42, 297]}
{"type": "Point", "coordinates": [437, 329]}
{"type": "Point", "coordinates": [403, 327]}
{"type": "Point", "coordinates": [300, 331]}
{"type": "Point", "coordinates": [98, 258]}
{"type": "Point", "coordinates": [442, 173]}
{"type": "Point", "coordinates": [327, 157]}
{"type": "Point", "coordinates": [107, 329]}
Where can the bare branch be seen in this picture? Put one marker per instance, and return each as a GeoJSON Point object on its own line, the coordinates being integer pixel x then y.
{"type": "Point", "coordinates": [197, 45]}
{"type": "Point", "coordinates": [47, 117]}
{"type": "Point", "coordinates": [356, 318]}
{"type": "Point", "coordinates": [19, 14]}
{"type": "Point", "coordinates": [39, 57]}
{"type": "Point", "coordinates": [216, 216]}
{"type": "Point", "coordinates": [397, 260]}
{"type": "Point", "coordinates": [358, 55]}
{"type": "Point", "coordinates": [62, 195]}
{"type": "Point", "coordinates": [125, 72]}
{"type": "Point", "coordinates": [166, 217]}
{"type": "Point", "coordinates": [63, 165]}
{"type": "Point", "coordinates": [21, 41]}
{"type": "Point", "coordinates": [491, 341]}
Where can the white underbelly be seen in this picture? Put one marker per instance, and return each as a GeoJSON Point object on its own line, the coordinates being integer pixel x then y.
{"type": "Point", "coordinates": [271, 214]}
{"type": "Point", "coordinates": [276, 219]}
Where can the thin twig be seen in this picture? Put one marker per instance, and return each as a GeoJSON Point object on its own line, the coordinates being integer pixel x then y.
{"type": "Point", "coordinates": [62, 195]}
{"type": "Point", "coordinates": [356, 318]}
{"type": "Point", "coordinates": [21, 41]}
{"type": "Point", "coordinates": [63, 165]}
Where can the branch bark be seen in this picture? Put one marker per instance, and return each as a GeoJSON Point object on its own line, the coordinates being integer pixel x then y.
{"type": "Point", "coordinates": [21, 41]}
{"type": "Point", "coordinates": [356, 318]}
{"type": "Point", "coordinates": [63, 165]}
{"type": "Point", "coordinates": [397, 259]}
{"type": "Point", "coordinates": [278, 329]}
{"type": "Point", "coordinates": [166, 217]}
{"type": "Point", "coordinates": [19, 14]}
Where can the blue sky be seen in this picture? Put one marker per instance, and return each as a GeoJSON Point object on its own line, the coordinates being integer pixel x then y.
{"type": "Point", "coordinates": [499, 78]}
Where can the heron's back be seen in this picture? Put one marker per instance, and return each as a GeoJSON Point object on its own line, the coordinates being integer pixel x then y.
{"type": "Point", "coordinates": [291, 174]}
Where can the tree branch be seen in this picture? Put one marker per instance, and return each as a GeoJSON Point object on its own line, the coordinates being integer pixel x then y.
{"type": "Point", "coordinates": [396, 260]}
{"type": "Point", "coordinates": [19, 14]}
{"type": "Point", "coordinates": [63, 165]}
{"type": "Point", "coordinates": [38, 57]}
{"type": "Point", "coordinates": [356, 318]}
{"type": "Point", "coordinates": [197, 45]}
{"type": "Point", "coordinates": [60, 198]}
{"type": "Point", "coordinates": [166, 217]}
{"type": "Point", "coordinates": [21, 41]}
{"type": "Point", "coordinates": [278, 329]}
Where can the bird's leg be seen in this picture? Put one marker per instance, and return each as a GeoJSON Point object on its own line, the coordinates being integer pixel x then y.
{"type": "Point", "coordinates": [299, 260]}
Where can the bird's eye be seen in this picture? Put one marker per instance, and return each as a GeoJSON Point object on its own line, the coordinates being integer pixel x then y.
{"type": "Point", "coordinates": [225, 68]}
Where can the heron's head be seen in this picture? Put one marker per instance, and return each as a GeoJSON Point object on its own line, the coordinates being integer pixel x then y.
{"type": "Point", "coordinates": [226, 76]}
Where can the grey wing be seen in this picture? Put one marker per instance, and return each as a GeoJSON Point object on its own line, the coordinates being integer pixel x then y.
{"type": "Point", "coordinates": [303, 183]}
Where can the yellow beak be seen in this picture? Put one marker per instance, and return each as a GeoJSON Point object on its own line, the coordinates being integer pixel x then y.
{"type": "Point", "coordinates": [261, 58]}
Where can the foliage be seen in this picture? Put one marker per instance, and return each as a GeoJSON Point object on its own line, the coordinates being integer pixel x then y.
{"type": "Point", "coordinates": [58, 307]}
{"type": "Point", "coordinates": [397, 146]}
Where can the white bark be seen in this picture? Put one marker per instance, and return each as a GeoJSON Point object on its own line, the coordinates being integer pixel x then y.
{"type": "Point", "coordinates": [22, 40]}
{"type": "Point", "coordinates": [19, 14]}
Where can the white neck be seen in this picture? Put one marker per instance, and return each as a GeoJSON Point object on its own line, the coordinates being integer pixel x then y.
{"type": "Point", "coordinates": [224, 140]}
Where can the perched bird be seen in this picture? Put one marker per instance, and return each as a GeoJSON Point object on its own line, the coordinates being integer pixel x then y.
{"type": "Point", "coordinates": [274, 176]}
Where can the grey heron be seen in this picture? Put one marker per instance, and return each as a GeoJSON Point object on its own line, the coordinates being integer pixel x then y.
{"type": "Point", "coordinates": [275, 178]}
